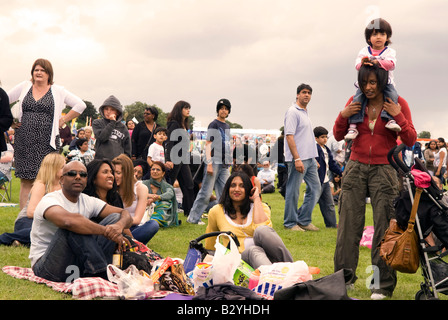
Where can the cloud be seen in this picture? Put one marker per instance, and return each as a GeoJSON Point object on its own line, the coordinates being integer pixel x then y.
{"type": "Point", "coordinates": [254, 52]}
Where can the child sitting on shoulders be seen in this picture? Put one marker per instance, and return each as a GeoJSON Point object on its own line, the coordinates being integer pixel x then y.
{"type": "Point", "coordinates": [377, 34]}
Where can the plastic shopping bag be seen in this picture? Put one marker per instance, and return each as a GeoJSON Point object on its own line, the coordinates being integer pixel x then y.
{"type": "Point", "coordinates": [281, 275]}
{"type": "Point", "coordinates": [225, 261]}
{"type": "Point", "coordinates": [132, 283]}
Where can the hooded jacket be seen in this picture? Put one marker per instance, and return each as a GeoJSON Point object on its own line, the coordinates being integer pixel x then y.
{"type": "Point", "coordinates": [112, 137]}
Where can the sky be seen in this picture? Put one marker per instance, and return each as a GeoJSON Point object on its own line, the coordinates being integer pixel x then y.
{"type": "Point", "coordinates": [253, 52]}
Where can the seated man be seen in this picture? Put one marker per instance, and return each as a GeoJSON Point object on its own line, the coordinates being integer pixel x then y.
{"type": "Point", "coordinates": [64, 241]}
{"type": "Point", "coordinates": [267, 178]}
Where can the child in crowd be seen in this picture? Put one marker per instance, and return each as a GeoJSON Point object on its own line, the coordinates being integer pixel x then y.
{"type": "Point", "coordinates": [112, 136]}
{"type": "Point", "coordinates": [326, 164]}
{"type": "Point", "coordinates": [156, 151]}
{"type": "Point", "coordinates": [335, 185]}
{"type": "Point", "coordinates": [82, 152]}
{"type": "Point", "coordinates": [377, 34]}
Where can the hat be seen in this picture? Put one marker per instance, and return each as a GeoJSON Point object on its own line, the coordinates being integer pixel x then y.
{"type": "Point", "coordinates": [224, 102]}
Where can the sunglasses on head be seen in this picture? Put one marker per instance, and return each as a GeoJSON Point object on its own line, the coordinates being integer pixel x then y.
{"type": "Point", "coordinates": [74, 173]}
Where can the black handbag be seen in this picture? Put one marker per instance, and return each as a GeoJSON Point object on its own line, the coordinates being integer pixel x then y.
{"type": "Point", "coordinates": [331, 287]}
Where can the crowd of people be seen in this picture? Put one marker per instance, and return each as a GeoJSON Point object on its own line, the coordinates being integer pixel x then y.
{"type": "Point", "coordinates": [120, 178]}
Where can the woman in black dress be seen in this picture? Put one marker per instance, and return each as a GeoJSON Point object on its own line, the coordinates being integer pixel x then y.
{"type": "Point", "coordinates": [38, 117]}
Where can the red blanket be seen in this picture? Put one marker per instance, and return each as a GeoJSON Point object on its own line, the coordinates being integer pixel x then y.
{"type": "Point", "coordinates": [81, 288]}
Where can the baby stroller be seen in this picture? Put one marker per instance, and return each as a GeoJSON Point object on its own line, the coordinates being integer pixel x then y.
{"type": "Point", "coordinates": [431, 218]}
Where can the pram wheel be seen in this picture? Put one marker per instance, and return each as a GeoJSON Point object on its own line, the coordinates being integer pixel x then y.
{"type": "Point", "coordinates": [422, 295]}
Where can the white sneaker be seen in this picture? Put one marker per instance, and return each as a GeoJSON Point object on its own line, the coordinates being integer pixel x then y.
{"type": "Point", "coordinates": [351, 134]}
{"type": "Point", "coordinates": [378, 296]}
{"type": "Point", "coordinates": [393, 125]}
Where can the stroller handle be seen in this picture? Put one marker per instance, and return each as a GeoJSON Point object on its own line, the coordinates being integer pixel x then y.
{"type": "Point", "coordinates": [214, 234]}
{"type": "Point", "coordinates": [394, 159]}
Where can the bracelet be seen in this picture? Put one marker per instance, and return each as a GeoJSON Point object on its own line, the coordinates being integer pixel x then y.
{"type": "Point", "coordinates": [297, 159]}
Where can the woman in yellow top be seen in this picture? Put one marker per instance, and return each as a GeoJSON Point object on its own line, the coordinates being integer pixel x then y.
{"type": "Point", "coordinates": [241, 211]}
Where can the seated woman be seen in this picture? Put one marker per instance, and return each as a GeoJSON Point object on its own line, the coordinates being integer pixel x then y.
{"type": "Point", "coordinates": [47, 181]}
{"type": "Point", "coordinates": [241, 211]}
{"type": "Point", "coordinates": [135, 196]}
{"type": "Point", "coordinates": [162, 195]}
{"type": "Point", "coordinates": [101, 182]}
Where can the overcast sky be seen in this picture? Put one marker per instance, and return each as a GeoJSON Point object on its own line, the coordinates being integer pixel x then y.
{"type": "Point", "coordinates": [253, 52]}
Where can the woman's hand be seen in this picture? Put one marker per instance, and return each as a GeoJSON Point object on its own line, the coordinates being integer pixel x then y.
{"type": "Point", "coordinates": [351, 109]}
{"type": "Point", "coordinates": [254, 194]}
{"type": "Point", "coordinates": [391, 107]}
{"type": "Point", "coordinates": [16, 125]}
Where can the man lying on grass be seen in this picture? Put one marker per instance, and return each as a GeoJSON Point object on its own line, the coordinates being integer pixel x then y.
{"type": "Point", "coordinates": [65, 242]}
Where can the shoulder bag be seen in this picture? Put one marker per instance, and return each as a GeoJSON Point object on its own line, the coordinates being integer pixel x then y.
{"type": "Point", "coordinates": [399, 248]}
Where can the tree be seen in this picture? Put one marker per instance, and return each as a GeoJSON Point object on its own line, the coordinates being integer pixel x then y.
{"type": "Point", "coordinates": [424, 135]}
{"type": "Point", "coordinates": [234, 125]}
{"type": "Point", "coordinates": [89, 111]}
{"type": "Point", "coordinates": [137, 108]}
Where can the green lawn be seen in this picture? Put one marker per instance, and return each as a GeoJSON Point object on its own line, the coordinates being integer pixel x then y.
{"type": "Point", "coordinates": [315, 248]}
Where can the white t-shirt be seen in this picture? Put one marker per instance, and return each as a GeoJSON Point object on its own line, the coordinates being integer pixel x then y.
{"type": "Point", "coordinates": [43, 230]}
{"type": "Point", "coordinates": [156, 152]}
{"type": "Point", "coordinates": [437, 158]}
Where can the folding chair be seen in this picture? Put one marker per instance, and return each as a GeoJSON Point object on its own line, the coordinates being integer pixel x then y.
{"type": "Point", "coordinates": [6, 187]}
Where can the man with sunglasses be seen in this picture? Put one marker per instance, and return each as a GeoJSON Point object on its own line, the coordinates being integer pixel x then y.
{"type": "Point", "coordinates": [66, 242]}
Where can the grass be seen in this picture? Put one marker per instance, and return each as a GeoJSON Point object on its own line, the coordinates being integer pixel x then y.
{"type": "Point", "coordinates": [315, 248]}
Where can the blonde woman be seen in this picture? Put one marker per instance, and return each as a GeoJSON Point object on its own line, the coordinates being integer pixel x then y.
{"type": "Point", "coordinates": [135, 196]}
{"type": "Point", "coordinates": [47, 180]}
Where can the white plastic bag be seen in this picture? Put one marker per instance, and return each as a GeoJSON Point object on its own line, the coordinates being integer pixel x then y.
{"type": "Point", "coordinates": [225, 262]}
{"type": "Point", "coordinates": [148, 213]}
{"type": "Point", "coordinates": [281, 275]}
{"type": "Point", "coordinates": [131, 283]}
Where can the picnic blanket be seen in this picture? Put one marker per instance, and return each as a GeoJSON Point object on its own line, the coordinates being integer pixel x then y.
{"type": "Point", "coordinates": [81, 288]}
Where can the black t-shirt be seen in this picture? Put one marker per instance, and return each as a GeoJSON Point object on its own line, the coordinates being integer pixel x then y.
{"type": "Point", "coordinates": [219, 134]}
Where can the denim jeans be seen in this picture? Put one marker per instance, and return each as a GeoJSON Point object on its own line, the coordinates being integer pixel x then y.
{"type": "Point", "coordinates": [389, 92]}
{"type": "Point", "coordinates": [310, 176]}
{"type": "Point", "coordinates": [209, 182]}
{"type": "Point", "coordinates": [145, 232]}
{"type": "Point", "coordinates": [22, 230]}
{"type": "Point", "coordinates": [326, 205]}
{"type": "Point", "coordinates": [71, 255]}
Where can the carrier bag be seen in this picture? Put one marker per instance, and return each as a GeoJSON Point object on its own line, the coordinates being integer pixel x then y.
{"type": "Point", "coordinates": [196, 251]}
{"type": "Point", "coordinates": [225, 262]}
{"type": "Point", "coordinates": [399, 248]}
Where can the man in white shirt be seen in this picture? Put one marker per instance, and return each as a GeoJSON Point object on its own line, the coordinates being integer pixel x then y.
{"type": "Point", "coordinates": [300, 154]}
{"type": "Point", "coordinates": [267, 178]}
{"type": "Point", "coordinates": [65, 242]}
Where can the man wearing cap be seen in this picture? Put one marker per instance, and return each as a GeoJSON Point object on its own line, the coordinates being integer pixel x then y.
{"type": "Point", "coordinates": [300, 153]}
{"type": "Point", "coordinates": [217, 161]}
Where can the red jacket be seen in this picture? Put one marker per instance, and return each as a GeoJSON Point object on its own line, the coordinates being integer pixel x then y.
{"type": "Point", "coordinates": [372, 148]}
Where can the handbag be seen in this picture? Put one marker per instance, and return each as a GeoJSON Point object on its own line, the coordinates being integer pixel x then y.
{"type": "Point", "coordinates": [399, 248]}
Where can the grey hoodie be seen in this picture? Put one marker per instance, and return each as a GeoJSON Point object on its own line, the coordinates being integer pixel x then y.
{"type": "Point", "coordinates": [112, 137]}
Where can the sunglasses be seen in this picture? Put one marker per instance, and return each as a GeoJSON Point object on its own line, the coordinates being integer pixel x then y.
{"type": "Point", "coordinates": [74, 173]}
